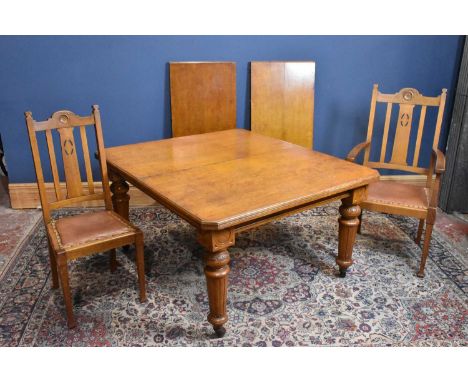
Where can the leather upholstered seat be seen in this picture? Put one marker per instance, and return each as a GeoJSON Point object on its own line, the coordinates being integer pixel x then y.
{"type": "Point", "coordinates": [399, 194]}
{"type": "Point", "coordinates": [87, 228]}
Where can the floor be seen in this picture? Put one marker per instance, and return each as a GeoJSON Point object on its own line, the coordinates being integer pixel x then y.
{"type": "Point", "coordinates": [16, 224]}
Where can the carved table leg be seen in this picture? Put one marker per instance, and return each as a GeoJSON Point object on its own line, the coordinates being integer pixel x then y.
{"type": "Point", "coordinates": [216, 244]}
{"type": "Point", "coordinates": [348, 226]}
{"type": "Point", "coordinates": [120, 198]}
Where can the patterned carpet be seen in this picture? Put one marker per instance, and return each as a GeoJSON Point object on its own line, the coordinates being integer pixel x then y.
{"type": "Point", "coordinates": [283, 289]}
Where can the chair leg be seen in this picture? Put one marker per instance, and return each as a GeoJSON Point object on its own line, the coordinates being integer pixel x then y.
{"type": "Point", "coordinates": [425, 251]}
{"type": "Point", "coordinates": [63, 272]}
{"type": "Point", "coordinates": [359, 225]}
{"type": "Point", "coordinates": [420, 230]}
{"type": "Point", "coordinates": [140, 263]}
{"type": "Point", "coordinates": [113, 260]}
{"type": "Point", "coordinates": [53, 267]}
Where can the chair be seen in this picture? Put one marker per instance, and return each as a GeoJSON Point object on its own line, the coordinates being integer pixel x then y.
{"type": "Point", "coordinates": [203, 97]}
{"type": "Point", "coordinates": [282, 100]}
{"type": "Point", "coordinates": [399, 198]}
{"type": "Point", "coordinates": [76, 236]}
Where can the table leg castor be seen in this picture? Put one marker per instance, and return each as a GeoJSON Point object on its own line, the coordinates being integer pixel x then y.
{"type": "Point", "coordinates": [220, 331]}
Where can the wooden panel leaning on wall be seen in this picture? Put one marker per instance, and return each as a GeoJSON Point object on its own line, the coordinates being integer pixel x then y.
{"type": "Point", "coordinates": [397, 198]}
{"type": "Point", "coordinates": [203, 97]}
{"type": "Point", "coordinates": [80, 235]}
{"type": "Point", "coordinates": [282, 100]}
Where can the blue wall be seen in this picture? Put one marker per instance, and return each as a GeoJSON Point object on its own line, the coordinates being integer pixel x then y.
{"type": "Point", "coordinates": [128, 78]}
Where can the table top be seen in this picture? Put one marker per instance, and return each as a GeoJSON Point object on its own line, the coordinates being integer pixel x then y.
{"type": "Point", "coordinates": [223, 179]}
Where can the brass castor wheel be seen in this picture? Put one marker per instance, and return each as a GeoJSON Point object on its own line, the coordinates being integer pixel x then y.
{"type": "Point", "coordinates": [342, 273]}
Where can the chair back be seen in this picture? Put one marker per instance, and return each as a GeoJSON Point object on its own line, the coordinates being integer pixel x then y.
{"type": "Point", "coordinates": [282, 100]}
{"type": "Point", "coordinates": [63, 123]}
{"type": "Point", "coordinates": [203, 97]}
{"type": "Point", "coordinates": [407, 99]}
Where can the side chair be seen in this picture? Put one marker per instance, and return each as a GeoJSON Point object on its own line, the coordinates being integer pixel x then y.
{"type": "Point", "coordinates": [84, 234]}
{"type": "Point", "coordinates": [399, 198]}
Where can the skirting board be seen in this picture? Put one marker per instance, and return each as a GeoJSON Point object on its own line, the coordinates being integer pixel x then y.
{"type": "Point", "coordinates": [26, 195]}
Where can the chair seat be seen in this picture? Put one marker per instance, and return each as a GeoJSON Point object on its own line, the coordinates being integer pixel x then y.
{"type": "Point", "coordinates": [78, 230]}
{"type": "Point", "coordinates": [398, 195]}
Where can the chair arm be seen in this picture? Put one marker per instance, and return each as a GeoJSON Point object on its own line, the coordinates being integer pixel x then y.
{"type": "Point", "coordinates": [437, 167]}
{"type": "Point", "coordinates": [439, 158]}
{"type": "Point", "coordinates": [351, 157]}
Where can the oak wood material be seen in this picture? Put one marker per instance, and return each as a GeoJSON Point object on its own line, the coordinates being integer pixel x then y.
{"type": "Point", "coordinates": [217, 269]}
{"type": "Point", "coordinates": [53, 164]}
{"type": "Point", "coordinates": [87, 160]}
{"type": "Point", "coordinates": [226, 178]}
{"type": "Point", "coordinates": [406, 200]}
{"type": "Point", "coordinates": [203, 97]}
{"type": "Point", "coordinates": [282, 100]}
{"type": "Point", "coordinates": [70, 163]}
{"type": "Point", "coordinates": [230, 181]}
{"type": "Point", "coordinates": [81, 235]}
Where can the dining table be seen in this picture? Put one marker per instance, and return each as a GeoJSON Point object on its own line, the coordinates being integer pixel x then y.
{"type": "Point", "coordinates": [227, 182]}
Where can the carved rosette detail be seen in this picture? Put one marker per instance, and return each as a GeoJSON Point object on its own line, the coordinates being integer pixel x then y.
{"type": "Point", "coordinates": [64, 119]}
{"type": "Point", "coordinates": [408, 95]}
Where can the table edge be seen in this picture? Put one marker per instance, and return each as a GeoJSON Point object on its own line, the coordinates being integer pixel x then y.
{"type": "Point", "coordinates": [243, 218]}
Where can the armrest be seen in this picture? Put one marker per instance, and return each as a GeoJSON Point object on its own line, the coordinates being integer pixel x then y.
{"type": "Point", "coordinates": [437, 167]}
{"type": "Point", "coordinates": [351, 157]}
{"type": "Point", "coordinates": [439, 158]}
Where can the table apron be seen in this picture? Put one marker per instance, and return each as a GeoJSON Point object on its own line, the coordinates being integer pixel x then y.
{"type": "Point", "coordinates": [287, 212]}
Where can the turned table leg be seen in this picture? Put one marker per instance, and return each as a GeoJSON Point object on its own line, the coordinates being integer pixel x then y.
{"type": "Point", "coordinates": [217, 259]}
{"type": "Point", "coordinates": [120, 197]}
{"type": "Point", "coordinates": [348, 226]}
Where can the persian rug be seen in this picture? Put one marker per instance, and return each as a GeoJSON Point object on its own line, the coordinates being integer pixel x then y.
{"type": "Point", "coordinates": [283, 289]}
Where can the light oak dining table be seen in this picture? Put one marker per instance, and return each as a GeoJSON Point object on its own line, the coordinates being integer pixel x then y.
{"type": "Point", "coordinates": [226, 182]}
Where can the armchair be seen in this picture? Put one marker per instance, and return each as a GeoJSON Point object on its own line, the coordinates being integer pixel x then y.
{"type": "Point", "coordinates": [400, 198]}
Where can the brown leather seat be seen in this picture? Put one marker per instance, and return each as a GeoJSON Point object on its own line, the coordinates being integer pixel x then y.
{"type": "Point", "coordinates": [397, 194]}
{"type": "Point", "coordinates": [73, 231]}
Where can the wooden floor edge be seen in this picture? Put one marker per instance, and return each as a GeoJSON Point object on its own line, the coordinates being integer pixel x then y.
{"type": "Point", "coordinates": [26, 195]}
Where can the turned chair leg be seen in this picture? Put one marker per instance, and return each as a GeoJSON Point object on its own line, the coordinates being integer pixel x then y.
{"type": "Point", "coordinates": [64, 280]}
{"type": "Point", "coordinates": [420, 230]}
{"type": "Point", "coordinates": [113, 260]}
{"type": "Point", "coordinates": [140, 263]}
{"type": "Point", "coordinates": [425, 250]}
{"type": "Point", "coordinates": [53, 266]}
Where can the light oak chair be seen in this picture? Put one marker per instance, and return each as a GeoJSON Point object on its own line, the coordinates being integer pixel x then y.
{"type": "Point", "coordinates": [203, 97]}
{"type": "Point", "coordinates": [282, 100]}
{"type": "Point", "coordinates": [399, 198]}
{"type": "Point", "coordinates": [79, 235]}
